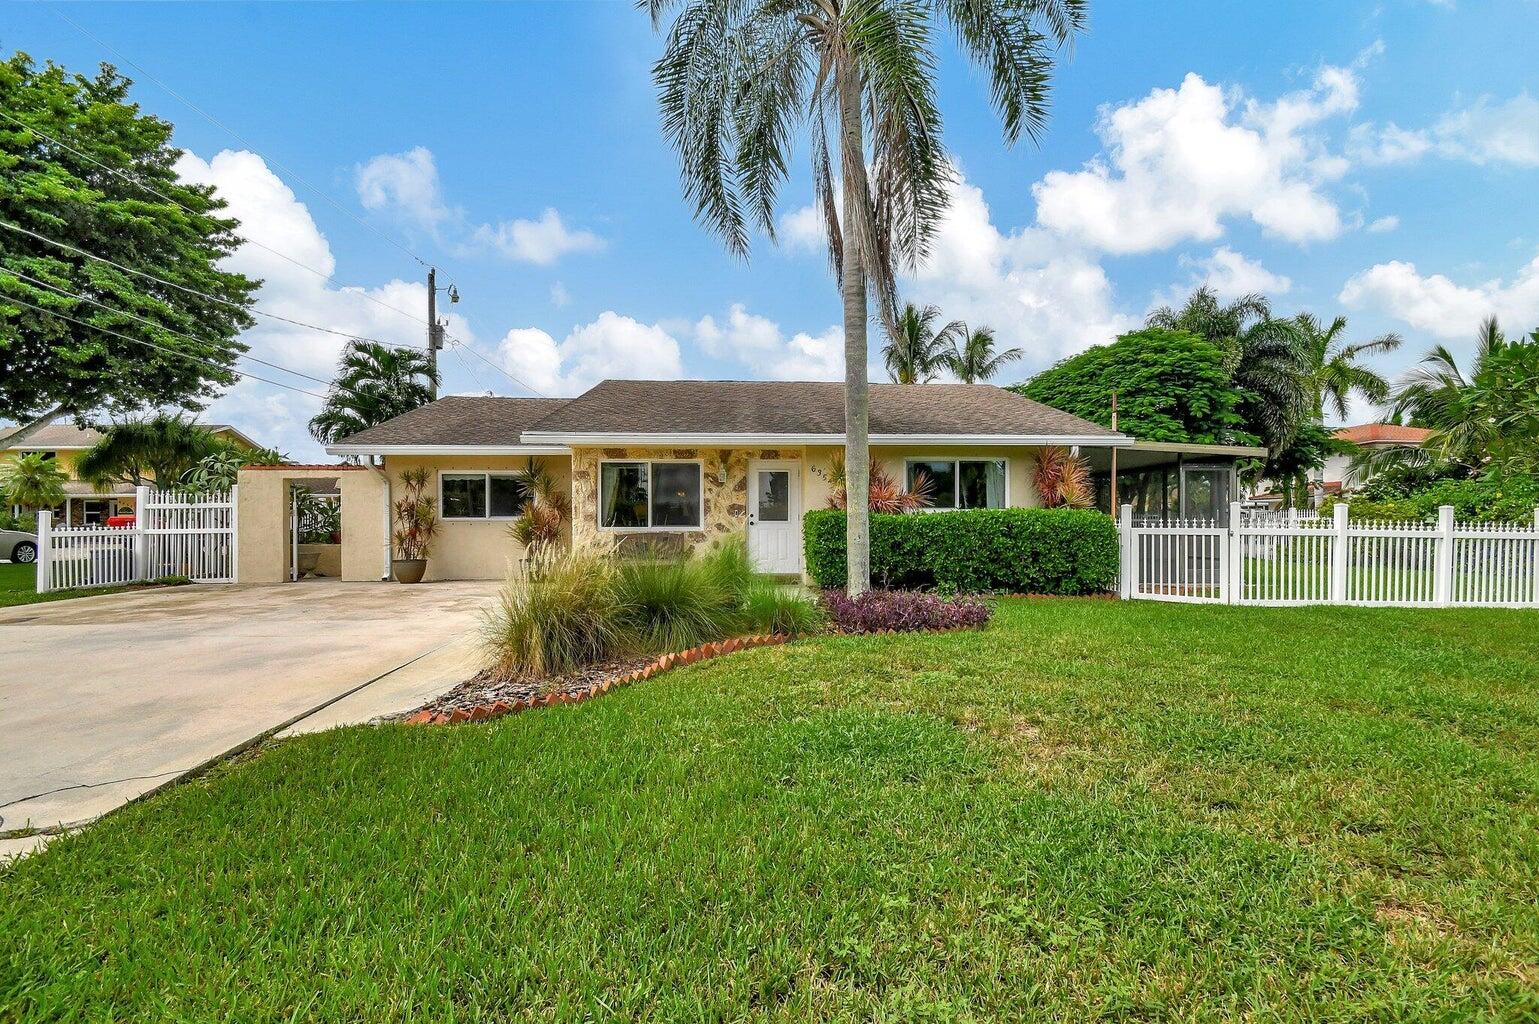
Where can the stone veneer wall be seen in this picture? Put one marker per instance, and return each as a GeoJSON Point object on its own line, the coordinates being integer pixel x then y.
{"type": "Point", "coordinates": [726, 504]}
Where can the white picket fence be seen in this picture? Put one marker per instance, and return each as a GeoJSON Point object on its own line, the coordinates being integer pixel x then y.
{"type": "Point", "coordinates": [174, 534]}
{"type": "Point", "coordinates": [1266, 560]}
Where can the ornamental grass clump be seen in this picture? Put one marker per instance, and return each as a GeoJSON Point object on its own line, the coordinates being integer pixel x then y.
{"type": "Point", "coordinates": [902, 611]}
{"type": "Point", "coordinates": [769, 607]}
{"type": "Point", "coordinates": [561, 614]}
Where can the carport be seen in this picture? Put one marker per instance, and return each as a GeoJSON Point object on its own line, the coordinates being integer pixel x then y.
{"type": "Point", "coordinates": [269, 542]}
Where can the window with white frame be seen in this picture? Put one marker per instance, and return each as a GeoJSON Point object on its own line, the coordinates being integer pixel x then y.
{"type": "Point", "coordinates": [481, 495]}
{"type": "Point", "coordinates": [960, 483]}
{"type": "Point", "coordinates": [649, 495]}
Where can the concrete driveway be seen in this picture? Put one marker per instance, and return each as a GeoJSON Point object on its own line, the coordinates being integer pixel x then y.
{"type": "Point", "coordinates": [105, 698]}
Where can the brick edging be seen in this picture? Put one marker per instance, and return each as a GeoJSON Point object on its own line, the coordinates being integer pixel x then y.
{"type": "Point", "coordinates": [496, 709]}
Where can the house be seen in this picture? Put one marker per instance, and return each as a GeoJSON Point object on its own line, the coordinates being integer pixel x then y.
{"type": "Point", "coordinates": [674, 465]}
{"type": "Point", "coordinates": [1337, 473]}
{"type": "Point", "coordinates": [87, 503]}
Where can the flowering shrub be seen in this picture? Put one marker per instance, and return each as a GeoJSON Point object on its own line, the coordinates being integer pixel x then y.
{"type": "Point", "coordinates": [905, 611]}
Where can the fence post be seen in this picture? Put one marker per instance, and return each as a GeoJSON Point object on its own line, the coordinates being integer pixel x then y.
{"type": "Point", "coordinates": [1234, 549]}
{"type": "Point", "coordinates": [234, 521]}
{"type": "Point", "coordinates": [1442, 584]}
{"type": "Point", "coordinates": [141, 533]}
{"type": "Point", "coordinates": [1341, 553]}
{"type": "Point", "coordinates": [44, 551]}
{"type": "Point", "coordinates": [1533, 564]}
{"type": "Point", "coordinates": [1125, 536]}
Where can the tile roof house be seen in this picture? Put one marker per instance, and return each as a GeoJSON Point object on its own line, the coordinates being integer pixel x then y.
{"type": "Point", "coordinates": [676, 464]}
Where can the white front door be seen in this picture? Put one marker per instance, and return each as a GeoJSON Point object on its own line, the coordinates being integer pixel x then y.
{"type": "Point", "coordinates": [775, 516]}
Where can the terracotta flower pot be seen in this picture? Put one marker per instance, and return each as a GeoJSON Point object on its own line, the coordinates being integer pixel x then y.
{"type": "Point", "coordinates": [408, 570]}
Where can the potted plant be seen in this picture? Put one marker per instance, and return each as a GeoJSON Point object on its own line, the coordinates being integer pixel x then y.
{"type": "Point", "coordinates": [416, 523]}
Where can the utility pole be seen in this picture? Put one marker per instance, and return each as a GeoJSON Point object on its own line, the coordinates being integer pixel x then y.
{"type": "Point", "coordinates": [435, 330]}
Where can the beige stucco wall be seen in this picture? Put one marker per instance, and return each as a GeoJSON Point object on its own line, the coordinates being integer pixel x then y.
{"type": "Point", "coordinates": [472, 549]}
{"type": "Point", "coordinates": [263, 512]}
{"type": "Point", "coordinates": [1022, 493]}
{"type": "Point", "coordinates": [724, 493]}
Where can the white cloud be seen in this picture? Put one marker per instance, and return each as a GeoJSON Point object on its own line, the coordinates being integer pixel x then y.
{"type": "Point", "coordinates": [610, 346]}
{"type": "Point", "coordinates": [1229, 274]}
{"type": "Point", "coordinates": [758, 343]}
{"type": "Point", "coordinates": [1485, 132]}
{"type": "Point", "coordinates": [1383, 224]}
{"type": "Point", "coordinates": [559, 296]}
{"type": "Point", "coordinates": [271, 216]}
{"type": "Point", "coordinates": [1436, 304]}
{"type": "Point", "coordinates": [542, 241]}
{"type": "Point", "coordinates": [406, 183]}
{"type": "Point", "coordinates": [803, 230]}
{"type": "Point", "coordinates": [1181, 161]}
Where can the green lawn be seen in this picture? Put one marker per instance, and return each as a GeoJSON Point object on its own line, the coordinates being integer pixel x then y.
{"type": "Point", "coordinates": [18, 585]}
{"type": "Point", "coordinates": [1093, 810]}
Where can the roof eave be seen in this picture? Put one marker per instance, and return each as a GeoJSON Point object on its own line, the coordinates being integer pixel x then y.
{"type": "Point", "coordinates": [447, 449]}
{"type": "Point", "coordinates": [571, 439]}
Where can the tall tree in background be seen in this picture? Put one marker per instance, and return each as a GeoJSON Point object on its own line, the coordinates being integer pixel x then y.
{"type": "Point", "coordinates": [738, 76]}
{"type": "Point", "coordinates": [374, 383]}
{"type": "Point", "coordinates": [916, 352]}
{"type": "Point", "coordinates": [974, 359]}
{"type": "Point", "coordinates": [1334, 369]}
{"type": "Point", "coordinates": [81, 165]}
{"type": "Point", "coordinates": [158, 450]}
{"type": "Point", "coordinates": [1264, 356]}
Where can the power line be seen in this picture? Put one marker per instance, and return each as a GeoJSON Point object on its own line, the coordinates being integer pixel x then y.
{"type": "Point", "coordinates": [178, 334]}
{"type": "Point", "coordinates": [193, 291]}
{"type": "Point", "coordinates": [238, 137]}
{"type": "Point", "coordinates": [499, 369]}
{"type": "Point", "coordinates": [193, 213]}
{"type": "Point", "coordinates": [162, 348]}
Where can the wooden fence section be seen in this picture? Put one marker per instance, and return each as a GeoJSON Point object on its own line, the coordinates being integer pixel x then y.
{"type": "Point", "coordinates": [1270, 560]}
{"type": "Point", "coordinates": [173, 534]}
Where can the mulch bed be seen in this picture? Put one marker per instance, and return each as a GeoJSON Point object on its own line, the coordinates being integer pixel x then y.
{"type": "Point", "coordinates": [489, 687]}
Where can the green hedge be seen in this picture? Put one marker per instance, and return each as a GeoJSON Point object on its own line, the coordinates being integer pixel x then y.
{"type": "Point", "coordinates": [1019, 550]}
{"type": "Point", "coordinates": [1493, 501]}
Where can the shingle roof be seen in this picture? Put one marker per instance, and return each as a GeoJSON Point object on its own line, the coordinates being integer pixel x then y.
{"type": "Point", "coordinates": [806, 407]}
{"type": "Point", "coordinates": [67, 435]}
{"type": "Point", "coordinates": [460, 420]}
{"type": "Point", "coordinates": [1370, 433]}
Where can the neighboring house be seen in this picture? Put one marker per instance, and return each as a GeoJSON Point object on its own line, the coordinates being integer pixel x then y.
{"type": "Point", "coordinates": [86, 503]}
{"type": "Point", "coordinates": [672, 465]}
{"type": "Point", "coordinates": [1338, 468]}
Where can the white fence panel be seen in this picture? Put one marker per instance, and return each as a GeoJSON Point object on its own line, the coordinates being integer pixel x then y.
{"type": "Point", "coordinates": [191, 535]}
{"type": "Point", "coordinates": [1291, 560]}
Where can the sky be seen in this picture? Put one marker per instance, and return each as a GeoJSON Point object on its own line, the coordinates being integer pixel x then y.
{"type": "Point", "coordinates": [1371, 158]}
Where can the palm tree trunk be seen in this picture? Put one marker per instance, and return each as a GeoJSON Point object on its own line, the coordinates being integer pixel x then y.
{"type": "Point", "coordinates": [857, 393]}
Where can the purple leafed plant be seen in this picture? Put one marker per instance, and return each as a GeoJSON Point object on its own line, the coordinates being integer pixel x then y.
{"type": "Point", "coordinates": [905, 611]}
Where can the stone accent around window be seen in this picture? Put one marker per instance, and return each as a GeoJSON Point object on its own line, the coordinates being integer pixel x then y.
{"type": "Point", "coordinates": [723, 487]}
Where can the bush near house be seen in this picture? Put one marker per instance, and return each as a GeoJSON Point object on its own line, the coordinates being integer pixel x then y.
{"type": "Point", "coordinates": [1019, 550]}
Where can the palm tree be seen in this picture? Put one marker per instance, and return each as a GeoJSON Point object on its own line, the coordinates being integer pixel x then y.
{"type": "Point", "coordinates": [159, 449]}
{"type": "Point", "coordinates": [916, 352]}
{"type": "Point", "coordinates": [1469, 414]}
{"type": "Point", "coordinates": [33, 481]}
{"type": "Point", "coordinates": [737, 76]}
{"type": "Point", "coordinates": [1265, 358]}
{"type": "Point", "coordinates": [374, 383]}
{"type": "Point", "coordinates": [974, 359]}
{"type": "Point", "coordinates": [1333, 368]}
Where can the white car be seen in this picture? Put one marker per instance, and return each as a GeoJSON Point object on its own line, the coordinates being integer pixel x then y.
{"type": "Point", "coordinates": [18, 546]}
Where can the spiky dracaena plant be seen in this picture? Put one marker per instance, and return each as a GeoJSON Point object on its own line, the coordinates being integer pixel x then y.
{"type": "Point", "coordinates": [540, 525]}
{"type": "Point", "coordinates": [416, 517]}
{"type": "Point", "coordinates": [884, 495]}
{"type": "Point", "coordinates": [1062, 479]}
{"type": "Point", "coordinates": [738, 77]}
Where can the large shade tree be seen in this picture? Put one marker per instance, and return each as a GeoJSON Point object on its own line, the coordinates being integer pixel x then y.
{"type": "Point", "coordinates": [83, 171]}
{"type": "Point", "coordinates": [916, 352]}
{"type": "Point", "coordinates": [738, 78]}
{"type": "Point", "coordinates": [374, 383]}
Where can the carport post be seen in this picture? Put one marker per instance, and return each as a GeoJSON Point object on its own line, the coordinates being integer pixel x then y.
{"type": "Point", "coordinates": [44, 551]}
